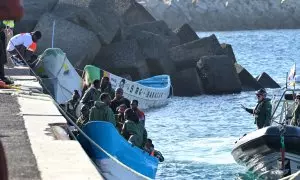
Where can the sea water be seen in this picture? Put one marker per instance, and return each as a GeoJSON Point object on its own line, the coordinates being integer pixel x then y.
{"type": "Point", "coordinates": [196, 134]}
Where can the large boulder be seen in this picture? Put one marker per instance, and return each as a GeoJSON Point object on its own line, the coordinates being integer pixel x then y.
{"type": "Point", "coordinates": [187, 55]}
{"type": "Point", "coordinates": [123, 58]}
{"type": "Point", "coordinates": [266, 81]}
{"type": "Point", "coordinates": [187, 83]}
{"type": "Point", "coordinates": [153, 48]}
{"type": "Point", "coordinates": [80, 45]}
{"type": "Point", "coordinates": [34, 9]}
{"type": "Point", "coordinates": [186, 34]}
{"type": "Point", "coordinates": [103, 17]}
{"type": "Point", "coordinates": [227, 49]}
{"type": "Point", "coordinates": [156, 27]}
{"type": "Point", "coordinates": [249, 83]}
{"type": "Point", "coordinates": [136, 14]}
{"type": "Point", "coordinates": [218, 75]}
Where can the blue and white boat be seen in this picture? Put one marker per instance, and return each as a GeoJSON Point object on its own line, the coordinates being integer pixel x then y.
{"type": "Point", "coordinates": [118, 159]}
{"type": "Point", "coordinates": [151, 92]}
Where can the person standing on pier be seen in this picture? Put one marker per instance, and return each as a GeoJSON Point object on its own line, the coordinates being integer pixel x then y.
{"type": "Point", "coordinates": [3, 58]}
{"type": "Point", "coordinates": [262, 111]}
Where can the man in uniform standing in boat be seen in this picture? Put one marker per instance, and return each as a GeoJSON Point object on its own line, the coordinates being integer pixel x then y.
{"type": "Point", "coordinates": [263, 109]}
{"type": "Point", "coordinates": [296, 114]}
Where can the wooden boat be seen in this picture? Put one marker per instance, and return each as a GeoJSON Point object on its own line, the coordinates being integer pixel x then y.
{"type": "Point", "coordinates": [151, 92]}
{"type": "Point", "coordinates": [120, 159]}
{"type": "Point", "coordinates": [58, 74]}
{"type": "Point", "coordinates": [272, 152]}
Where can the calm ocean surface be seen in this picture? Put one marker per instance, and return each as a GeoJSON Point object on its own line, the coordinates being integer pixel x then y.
{"type": "Point", "coordinates": [196, 135]}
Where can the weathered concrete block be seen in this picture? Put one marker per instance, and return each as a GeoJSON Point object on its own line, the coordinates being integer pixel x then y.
{"type": "Point", "coordinates": [188, 54]}
{"type": "Point", "coordinates": [80, 45]}
{"type": "Point", "coordinates": [266, 81]}
{"type": "Point", "coordinates": [103, 17]}
{"type": "Point", "coordinates": [186, 34]}
{"type": "Point", "coordinates": [153, 48]}
{"type": "Point", "coordinates": [136, 14]}
{"type": "Point", "coordinates": [218, 75]}
{"type": "Point", "coordinates": [227, 49]}
{"type": "Point", "coordinates": [187, 83]}
{"type": "Point", "coordinates": [123, 58]}
{"type": "Point", "coordinates": [34, 9]}
{"type": "Point", "coordinates": [156, 27]}
{"type": "Point", "coordinates": [249, 83]}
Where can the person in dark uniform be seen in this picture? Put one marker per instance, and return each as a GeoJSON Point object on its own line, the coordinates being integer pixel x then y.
{"type": "Point", "coordinates": [3, 58]}
{"type": "Point", "coordinates": [262, 111]}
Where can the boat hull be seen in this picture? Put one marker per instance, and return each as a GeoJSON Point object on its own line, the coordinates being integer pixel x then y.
{"type": "Point", "coordinates": [151, 93]}
{"type": "Point", "coordinates": [130, 162]}
{"type": "Point", "coordinates": [259, 151]}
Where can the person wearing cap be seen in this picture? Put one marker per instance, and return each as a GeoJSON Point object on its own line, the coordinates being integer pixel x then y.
{"type": "Point", "coordinates": [296, 114]}
{"type": "Point", "coordinates": [22, 46]}
{"type": "Point", "coordinates": [262, 111]}
{"type": "Point", "coordinates": [118, 100]}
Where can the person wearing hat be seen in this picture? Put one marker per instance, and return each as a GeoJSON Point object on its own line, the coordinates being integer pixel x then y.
{"type": "Point", "coordinates": [262, 111]}
{"type": "Point", "coordinates": [296, 114]}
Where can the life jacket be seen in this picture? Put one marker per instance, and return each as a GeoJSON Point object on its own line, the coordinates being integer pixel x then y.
{"type": "Point", "coordinates": [32, 47]}
{"type": "Point", "coordinates": [11, 9]}
{"type": "Point", "coordinates": [152, 153]}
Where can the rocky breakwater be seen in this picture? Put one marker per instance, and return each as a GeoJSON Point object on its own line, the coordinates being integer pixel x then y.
{"type": "Point", "coordinates": [211, 15]}
{"type": "Point", "coordinates": [121, 37]}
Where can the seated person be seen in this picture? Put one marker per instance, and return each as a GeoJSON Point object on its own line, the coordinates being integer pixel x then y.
{"type": "Point", "coordinates": [134, 106]}
{"type": "Point", "coordinates": [118, 100]}
{"type": "Point", "coordinates": [149, 147]}
{"type": "Point", "coordinates": [101, 110]}
{"type": "Point", "coordinates": [72, 105]}
{"type": "Point", "coordinates": [84, 117]}
{"type": "Point", "coordinates": [120, 116]}
{"type": "Point", "coordinates": [133, 130]}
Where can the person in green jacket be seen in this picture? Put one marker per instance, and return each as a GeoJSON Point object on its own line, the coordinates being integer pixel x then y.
{"type": "Point", "coordinates": [262, 111]}
{"type": "Point", "coordinates": [133, 130]}
{"type": "Point", "coordinates": [92, 94]}
{"type": "Point", "coordinates": [101, 110]}
{"type": "Point", "coordinates": [105, 87]}
{"type": "Point", "coordinates": [296, 114]}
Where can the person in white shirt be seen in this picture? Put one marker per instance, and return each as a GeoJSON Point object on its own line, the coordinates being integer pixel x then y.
{"type": "Point", "coordinates": [20, 45]}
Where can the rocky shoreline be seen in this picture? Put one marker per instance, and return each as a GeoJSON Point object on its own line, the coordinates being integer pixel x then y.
{"type": "Point", "coordinates": [226, 15]}
{"type": "Point", "coordinates": [122, 37]}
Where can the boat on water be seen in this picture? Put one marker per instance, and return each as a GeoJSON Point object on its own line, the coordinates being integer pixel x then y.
{"type": "Point", "coordinates": [151, 92]}
{"type": "Point", "coordinates": [58, 74]}
{"type": "Point", "coordinates": [272, 152]}
{"type": "Point", "coordinates": [119, 159]}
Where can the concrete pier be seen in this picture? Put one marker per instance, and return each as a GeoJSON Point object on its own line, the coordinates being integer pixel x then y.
{"type": "Point", "coordinates": [31, 148]}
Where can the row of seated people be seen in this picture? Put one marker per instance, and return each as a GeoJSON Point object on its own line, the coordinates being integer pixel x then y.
{"type": "Point", "coordinates": [101, 102]}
